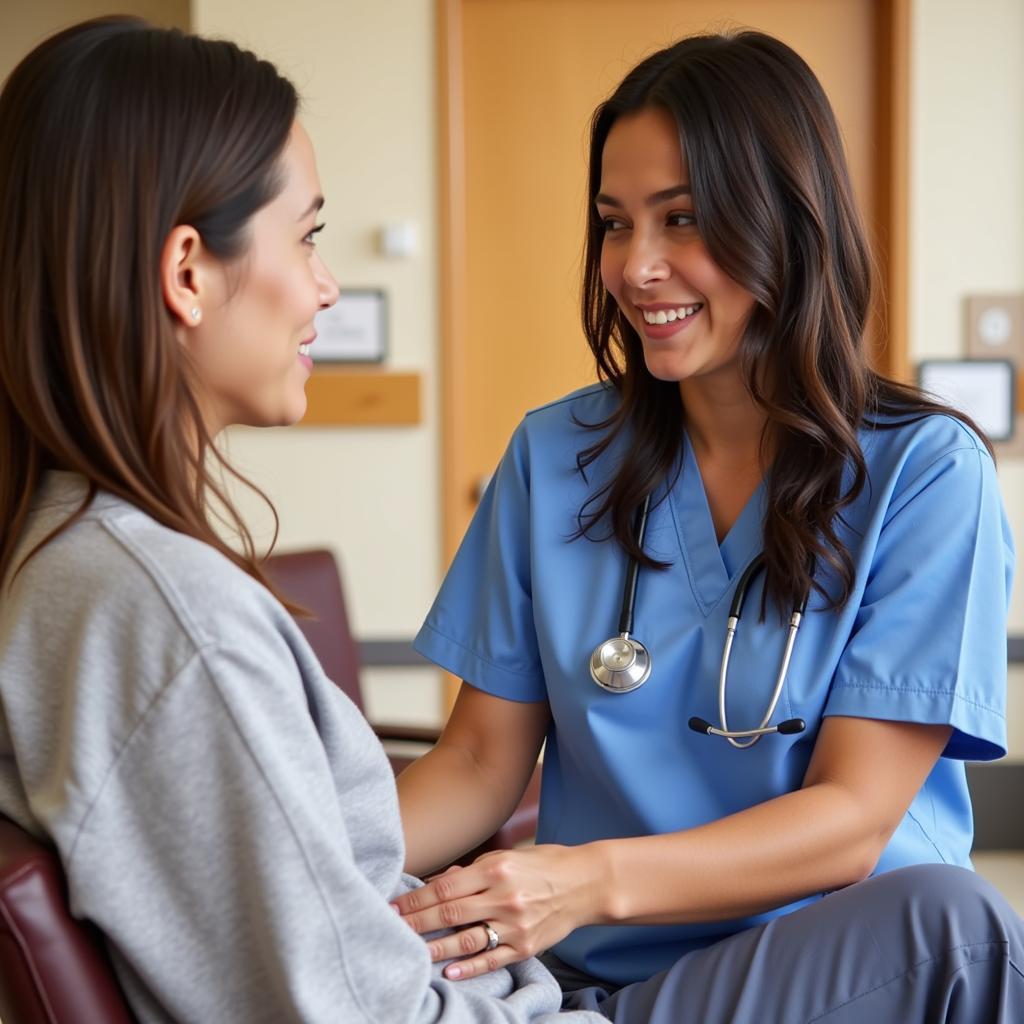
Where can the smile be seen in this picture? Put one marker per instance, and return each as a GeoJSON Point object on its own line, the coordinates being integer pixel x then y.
{"type": "Point", "coordinates": [668, 316]}
{"type": "Point", "coordinates": [304, 348]}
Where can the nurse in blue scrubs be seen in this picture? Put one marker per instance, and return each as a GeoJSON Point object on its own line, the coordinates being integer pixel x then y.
{"type": "Point", "coordinates": [726, 292]}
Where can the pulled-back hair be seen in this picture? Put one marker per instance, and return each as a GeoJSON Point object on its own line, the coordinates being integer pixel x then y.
{"type": "Point", "coordinates": [775, 208]}
{"type": "Point", "coordinates": [111, 134]}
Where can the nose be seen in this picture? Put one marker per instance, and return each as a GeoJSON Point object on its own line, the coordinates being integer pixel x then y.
{"type": "Point", "coordinates": [327, 287]}
{"type": "Point", "coordinates": [645, 262]}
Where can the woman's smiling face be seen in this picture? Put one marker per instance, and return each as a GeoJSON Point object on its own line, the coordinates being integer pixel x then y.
{"type": "Point", "coordinates": [246, 349]}
{"type": "Point", "coordinates": [688, 313]}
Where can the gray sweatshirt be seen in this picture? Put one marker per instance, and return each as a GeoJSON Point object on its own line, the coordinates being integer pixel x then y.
{"type": "Point", "coordinates": [223, 813]}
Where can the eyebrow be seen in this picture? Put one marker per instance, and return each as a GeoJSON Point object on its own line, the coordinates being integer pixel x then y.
{"type": "Point", "coordinates": [312, 208]}
{"type": "Point", "coordinates": [653, 200]}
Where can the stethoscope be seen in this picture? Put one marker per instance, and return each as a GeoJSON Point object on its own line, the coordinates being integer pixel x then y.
{"type": "Point", "coordinates": [623, 663]}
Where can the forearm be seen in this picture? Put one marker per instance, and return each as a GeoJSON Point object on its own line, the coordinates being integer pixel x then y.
{"type": "Point", "coordinates": [823, 836]}
{"type": "Point", "coordinates": [449, 804]}
{"type": "Point", "coordinates": [813, 840]}
{"type": "Point", "coordinates": [805, 842]}
{"type": "Point", "coordinates": [464, 789]}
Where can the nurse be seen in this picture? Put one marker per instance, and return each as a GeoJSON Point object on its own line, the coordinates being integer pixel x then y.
{"type": "Point", "coordinates": [726, 294]}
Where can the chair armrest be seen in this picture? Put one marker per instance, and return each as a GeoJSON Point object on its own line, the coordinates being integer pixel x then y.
{"type": "Point", "coordinates": [406, 733]}
{"type": "Point", "coordinates": [404, 744]}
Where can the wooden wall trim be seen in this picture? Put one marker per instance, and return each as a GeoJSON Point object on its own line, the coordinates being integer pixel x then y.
{"type": "Point", "coordinates": [361, 396]}
{"type": "Point", "coordinates": [893, 119]}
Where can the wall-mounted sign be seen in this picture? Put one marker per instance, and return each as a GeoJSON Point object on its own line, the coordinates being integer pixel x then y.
{"type": "Point", "coordinates": [354, 329]}
{"type": "Point", "coordinates": [995, 327]}
{"type": "Point", "coordinates": [985, 389]}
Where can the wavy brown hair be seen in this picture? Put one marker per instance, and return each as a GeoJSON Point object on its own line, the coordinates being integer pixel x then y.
{"type": "Point", "coordinates": [774, 205]}
{"type": "Point", "coordinates": [111, 134]}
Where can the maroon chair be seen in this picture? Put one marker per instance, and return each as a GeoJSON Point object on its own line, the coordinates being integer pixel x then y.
{"type": "Point", "coordinates": [312, 579]}
{"type": "Point", "coordinates": [53, 969]}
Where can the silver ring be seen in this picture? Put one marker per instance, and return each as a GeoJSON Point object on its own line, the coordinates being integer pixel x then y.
{"type": "Point", "coordinates": [492, 938]}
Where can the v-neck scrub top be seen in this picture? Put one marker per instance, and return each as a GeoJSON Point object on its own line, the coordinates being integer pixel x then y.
{"type": "Point", "coordinates": [922, 639]}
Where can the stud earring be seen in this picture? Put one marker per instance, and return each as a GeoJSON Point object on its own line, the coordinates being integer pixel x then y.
{"type": "Point", "coordinates": [195, 313]}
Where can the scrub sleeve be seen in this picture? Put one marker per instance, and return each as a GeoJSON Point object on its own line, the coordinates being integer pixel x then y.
{"type": "Point", "coordinates": [481, 625]}
{"type": "Point", "coordinates": [928, 642]}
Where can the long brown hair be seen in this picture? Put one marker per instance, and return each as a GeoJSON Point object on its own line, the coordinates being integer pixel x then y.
{"type": "Point", "coordinates": [774, 205]}
{"type": "Point", "coordinates": [111, 134]}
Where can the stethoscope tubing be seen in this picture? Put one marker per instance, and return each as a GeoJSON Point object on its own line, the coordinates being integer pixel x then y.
{"type": "Point", "coordinates": [748, 737]}
{"type": "Point", "coordinates": [623, 663]}
{"type": "Point", "coordinates": [633, 573]}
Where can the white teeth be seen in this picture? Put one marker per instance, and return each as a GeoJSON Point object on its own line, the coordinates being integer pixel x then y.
{"type": "Point", "coordinates": [667, 316]}
{"type": "Point", "coordinates": [304, 350]}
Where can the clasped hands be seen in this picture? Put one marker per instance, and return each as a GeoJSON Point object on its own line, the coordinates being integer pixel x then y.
{"type": "Point", "coordinates": [530, 898]}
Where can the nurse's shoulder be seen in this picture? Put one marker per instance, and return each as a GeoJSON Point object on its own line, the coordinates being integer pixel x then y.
{"type": "Point", "coordinates": [554, 433]}
{"type": "Point", "coordinates": [583, 407]}
{"type": "Point", "coordinates": [902, 448]}
{"type": "Point", "coordinates": [938, 465]}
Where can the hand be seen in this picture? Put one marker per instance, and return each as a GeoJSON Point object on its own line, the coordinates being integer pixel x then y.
{"type": "Point", "coordinates": [531, 898]}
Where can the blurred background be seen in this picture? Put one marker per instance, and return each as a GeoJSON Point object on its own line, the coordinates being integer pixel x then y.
{"type": "Point", "coordinates": [451, 137]}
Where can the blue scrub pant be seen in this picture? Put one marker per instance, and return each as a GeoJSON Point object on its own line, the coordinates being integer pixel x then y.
{"type": "Point", "coordinates": [918, 945]}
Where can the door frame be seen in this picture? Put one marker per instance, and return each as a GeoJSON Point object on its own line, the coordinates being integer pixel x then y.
{"type": "Point", "coordinates": [892, 114]}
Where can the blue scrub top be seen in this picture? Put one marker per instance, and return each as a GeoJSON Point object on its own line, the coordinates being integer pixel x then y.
{"type": "Point", "coordinates": [922, 639]}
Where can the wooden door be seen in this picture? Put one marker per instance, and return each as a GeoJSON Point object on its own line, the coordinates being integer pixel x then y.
{"type": "Point", "coordinates": [519, 82]}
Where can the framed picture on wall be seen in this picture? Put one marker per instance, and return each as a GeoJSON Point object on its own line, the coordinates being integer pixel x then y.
{"type": "Point", "coordinates": [354, 329]}
{"type": "Point", "coordinates": [985, 389]}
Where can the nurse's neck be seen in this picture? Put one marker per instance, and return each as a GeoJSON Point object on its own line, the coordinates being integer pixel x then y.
{"type": "Point", "coordinates": [725, 429]}
{"type": "Point", "coordinates": [723, 423]}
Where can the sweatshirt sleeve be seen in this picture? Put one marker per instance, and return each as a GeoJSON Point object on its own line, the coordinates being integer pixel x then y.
{"type": "Point", "coordinates": [216, 860]}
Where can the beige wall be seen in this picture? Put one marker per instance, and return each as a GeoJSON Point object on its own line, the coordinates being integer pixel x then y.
{"type": "Point", "coordinates": [366, 72]}
{"type": "Point", "coordinates": [967, 201]}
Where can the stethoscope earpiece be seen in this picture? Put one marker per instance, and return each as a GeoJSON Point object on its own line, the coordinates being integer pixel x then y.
{"type": "Point", "coordinates": [621, 664]}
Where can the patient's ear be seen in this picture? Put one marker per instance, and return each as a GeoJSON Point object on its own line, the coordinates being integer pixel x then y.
{"type": "Point", "coordinates": [181, 276]}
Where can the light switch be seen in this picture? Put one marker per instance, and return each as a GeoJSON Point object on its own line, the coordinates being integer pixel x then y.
{"type": "Point", "coordinates": [398, 240]}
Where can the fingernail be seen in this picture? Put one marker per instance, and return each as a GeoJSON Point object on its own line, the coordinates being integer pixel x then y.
{"type": "Point", "coordinates": [453, 972]}
{"type": "Point", "coordinates": [395, 907]}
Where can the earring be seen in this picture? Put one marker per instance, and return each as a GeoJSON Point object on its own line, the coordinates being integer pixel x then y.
{"type": "Point", "coordinates": [195, 313]}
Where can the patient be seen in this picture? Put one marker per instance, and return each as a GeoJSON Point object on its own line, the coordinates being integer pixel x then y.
{"type": "Point", "coordinates": [223, 813]}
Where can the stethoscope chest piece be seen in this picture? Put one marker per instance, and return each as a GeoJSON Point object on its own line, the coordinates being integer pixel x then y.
{"type": "Point", "coordinates": [620, 664]}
